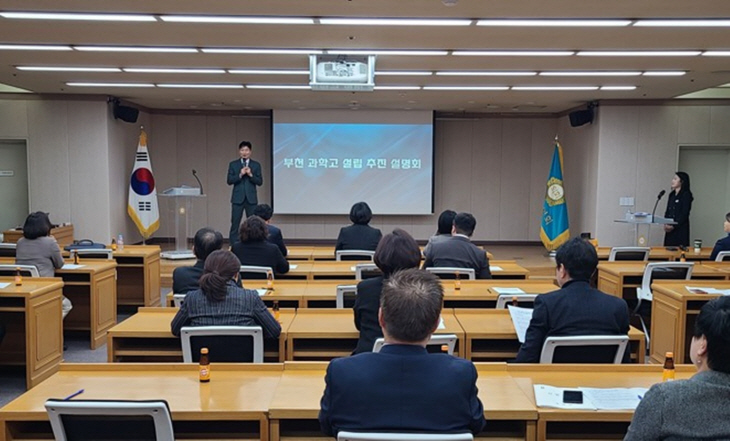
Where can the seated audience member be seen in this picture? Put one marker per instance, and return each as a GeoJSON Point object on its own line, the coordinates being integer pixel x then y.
{"type": "Point", "coordinates": [458, 251]}
{"type": "Point", "coordinates": [185, 278]}
{"type": "Point", "coordinates": [265, 212]}
{"type": "Point", "coordinates": [254, 249]}
{"type": "Point", "coordinates": [219, 302]}
{"type": "Point", "coordinates": [2, 332]}
{"type": "Point", "coordinates": [396, 251]}
{"type": "Point", "coordinates": [696, 408]}
{"type": "Point", "coordinates": [403, 388]}
{"type": "Point", "coordinates": [37, 247]}
{"type": "Point", "coordinates": [359, 235]}
{"type": "Point", "coordinates": [443, 232]}
{"type": "Point", "coordinates": [724, 243]}
{"type": "Point", "coordinates": [576, 308]}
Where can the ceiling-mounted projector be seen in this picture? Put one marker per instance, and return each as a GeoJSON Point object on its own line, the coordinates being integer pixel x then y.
{"type": "Point", "coordinates": [341, 72]}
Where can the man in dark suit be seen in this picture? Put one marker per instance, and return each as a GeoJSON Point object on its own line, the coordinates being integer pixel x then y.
{"type": "Point", "coordinates": [403, 388]}
{"type": "Point", "coordinates": [576, 308]}
{"type": "Point", "coordinates": [265, 212]}
{"type": "Point", "coordinates": [185, 278]}
{"type": "Point", "coordinates": [458, 251]}
{"type": "Point", "coordinates": [244, 174]}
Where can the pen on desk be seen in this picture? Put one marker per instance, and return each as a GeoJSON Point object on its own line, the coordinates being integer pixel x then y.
{"type": "Point", "coordinates": [75, 394]}
{"type": "Point", "coordinates": [640, 397]}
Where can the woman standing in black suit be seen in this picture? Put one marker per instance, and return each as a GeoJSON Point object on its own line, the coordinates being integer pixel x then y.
{"type": "Point", "coordinates": [679, 205]}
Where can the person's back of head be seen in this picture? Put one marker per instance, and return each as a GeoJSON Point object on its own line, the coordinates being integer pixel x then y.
{"type": "Point", "coordinates": [264, 211]}
{"type": "Point", "coordinates": [410, 305]}
{"type": "Point", "coordinates": [397, 251]}
{"type": "Point", "coordinates": [578, 257]}
{"type": "Point", "coordinates": [465, 223]}
{"type": "Point", "coordinates": [206, 241]}
{"type": "Point", "coordinates": [713, 324]}
{"type": "Point", "coordinates": [253, 229]}
{"type": "Point", "coordinates": [36, 225]}
{"type": "Point", "coordinates": [360, 213]}
{"type": "Point", "coordinates": [221, 267]}
{"type": "Point", "coordinates": [446, 222]}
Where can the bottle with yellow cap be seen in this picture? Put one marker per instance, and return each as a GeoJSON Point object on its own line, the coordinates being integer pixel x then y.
{"type": "Point", "coordinates": [457, 281]}
{"type": "Point", "coordinates": [204, 369]}
{"type": "Point", "coordinates": [269, 280]}
{"type": "Point", "coordinates": [18, 277]}
{"type": "Point", "coordinates": [668, 374]}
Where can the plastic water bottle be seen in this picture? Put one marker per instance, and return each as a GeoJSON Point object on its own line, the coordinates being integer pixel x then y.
{"type": "Point", "coordinates": [120, 242]}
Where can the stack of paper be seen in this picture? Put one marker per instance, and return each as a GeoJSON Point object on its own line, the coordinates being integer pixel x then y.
{"type": "Point", "coordinates": [593, 398]}
{"type": "Point", "coordinates": [4, 285]}
{"type": "Point", "coordinates": [261, 291]}
{"type": "Point", "coordinates": [502, 290]}
{"type": "Point", "coordinates": [521, 320]}
{"type": "Point", "coordinates": [495, 268]}
{"type": "Point", "coordinates": [70, 266]}
{"type": "Point", "coordinates": [707, 290]}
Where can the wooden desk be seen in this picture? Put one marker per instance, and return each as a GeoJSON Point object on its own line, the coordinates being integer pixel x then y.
{"type": "Point", "coordinates": [509, 270]}
{"type": "Point", "coordinates": [93, 291]}
{"type": "Point", "coordinates": [656, 254]}
{"type": "Point", "coordinates": [323, 334]}
{"type": "Point", "coordinates": [294, 409]}
{"type": "Point", "coordinates": [322, 269]}
{"type": "Point", "coordinates": [673, 315]}
{"type": "Point", "coordinates": [553, 424]}
{"type": "Point", "coordinates": [233, 406]}
{"type": "Point", "coordinates": [491, 336]}
{"type": "Point", "coordinates": [622, 278]}
{"type": "Point", "coordinates": [34, 332]}
{"type": "Point", "coordinates": [723, 267]}
{"type": "Point", "coordinates": [299, 252]}
{"type": "Point", "coordinates": [138, 270]}
{"type": "Point", "coordinates": [481, 293]}
{"type": "Point", "coordinates": [146, 337]}
{"type": "Point", "coordinates": [287, 292]}
{"type": "Point", "coordinates": [167, 266]}
{"type": "Point", "coordinates": [64, 235]}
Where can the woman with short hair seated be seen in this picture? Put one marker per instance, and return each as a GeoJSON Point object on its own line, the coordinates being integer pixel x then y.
{"type": "Point", "coordinates": [360, 235]}
{"type": "Point", "coordinates": [443, 230]}
{"type": "Point", "coordinates": [219, 302]}
{"type": "Point", "coordinates": [396, 251]}
{"type": "Point", "coordinates": [255, 250]}
{"type": "Point", "coordinates": [38, 248]}
{"type": "Point", "coordinates": [696, 408]}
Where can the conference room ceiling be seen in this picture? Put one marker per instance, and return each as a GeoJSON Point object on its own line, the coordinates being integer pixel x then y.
{"type": "Point", "coordinates": [700, 71]}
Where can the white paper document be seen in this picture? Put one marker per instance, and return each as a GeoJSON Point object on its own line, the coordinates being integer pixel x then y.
{"type": "Point", "coordinates": [261, 291]}
{"type": "Point", "coordinates": [495, 268]}
{"type": "Point", "coordinates": [502, 290]}
{"type": "Point", "coordinates": [292, 266]}
{"type": "Point", "coordinates": [521, 320]}
{"type": "Point", "coordinates": [4, 285]}
{"type": "Point", "coordinates": [71, 266]}
{"type": "Point", "coordinates": [707, 290]}
{"type": "Point", "coordinates": [441, 323]}
{"type": "Point", "coordinates": [593, 398]}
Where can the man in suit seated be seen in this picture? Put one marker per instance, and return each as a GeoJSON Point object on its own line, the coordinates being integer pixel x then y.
{"type": "Point", "coordinates": [458, 251]}
{"type": "Point", "coordinates": [576, 308]}
{"type": "Point", "coordinates": [185, 278]}
{"type": "Point", "coordinates": [403, 388]}
{"type": "Point", "coordinates": [264, 211]}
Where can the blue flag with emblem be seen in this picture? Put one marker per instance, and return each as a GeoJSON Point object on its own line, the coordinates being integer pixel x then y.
{"type": "Point", "coordinates": [142, 204]}
{"type": "Point", "coordinates": [554, 224]}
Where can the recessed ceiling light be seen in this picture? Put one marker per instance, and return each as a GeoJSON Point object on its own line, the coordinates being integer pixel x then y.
{"type": "Point", "coordinates": [34, 47]}
{"type": "Point", "coordinates": [551, 88]}
{"type": "Point", "coordinates": [555, 22]}
{"type": "Point", "coordinates": [77, 16]}
{"type": "Point", "coordinates": [618, 87]}
{"type": "Point", "coordinates": [235, 50]}
{"type": "Point", "coordinates": [397, 88]}
{"type": "Point", "coordinates": [403, 72]}
{"type": "Point", "coordinates": [235, 19]}
{"type": "Point", "coordinates": [68, 69]}
{"type": "Point", "coordinates": [200, 86]}
{"type": "Point", "coordinates": [514, 53]}
{"type": "Point", "coordinates": [185, 50]}
{"type": "Point", "coordinates": [277, 86]}
{"type": "Point", "coordinates": [269, 71]}
{"type": "Point", "coordinates": [393, 22]}
{"type": "Point", "coordinates": [486, 73]}
{"type": "Point", "coordinates": [85, 84]}
{"type": "Point", "coordinates": [638, 53]}
{"type": "Point", "coordinates": [591, 74]}
{"type": "Point", "coordinates": [684, 23]}
{"type": "Point", "coordinates": [664, 73]}
{"type": "Point", "coordinates": [385, 52]}
{"type": "Point", "coordinates": [716, 53]}
{"type": "Point", "coordinates": [465, 88]}
{"type": "Point", "coordinates": [173, 70]}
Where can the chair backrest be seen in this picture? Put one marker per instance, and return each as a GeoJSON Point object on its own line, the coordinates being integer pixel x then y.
{"type": "Point", "coordinates": [448, 272]}
{"type": "Point", "coordinates": [98, 420]}
{"type": "Point", "coordinates": [250, 272]}
{"type": "Point", "coordinates": [8, 249]}
{"type": "Point", "coordinates": [25, 270]}
{"type": "Point", "coordinates": [383, 436]}
{"type": "Point", "coordinates": [525, 300]}
{"type": "Point", "coordinates": [366, 271]}
{"type": "Point", "coordinates": [629, 253]}
{"type": "Point", "coordinates": [436, 341]}
{"type": "Point", "coordinates": [585, 349]}
{"type": "Point", "coordinates": [178, 299]}
{"type": "Point", "coordinates": [662, 270]}
{"type": "Point", "coordinates": [93, 253]}
{"type": "Point", "coordinates": [225, 343]}
{"type": "Point", "coordinates": [354, 255]}
{"type": "Point", "coordinates": [349, 291]}
{"type": "Point", "coordinates": [722, 256]}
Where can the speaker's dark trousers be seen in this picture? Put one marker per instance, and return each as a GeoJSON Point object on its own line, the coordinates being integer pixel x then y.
{"type": "Point", "coordinates": [236, 216]}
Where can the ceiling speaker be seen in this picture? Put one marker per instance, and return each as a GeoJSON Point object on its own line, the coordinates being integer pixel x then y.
{"type": "Point", "coordinates": [581, 117]}
{"type": "Point", "coordinates": [125, 113]}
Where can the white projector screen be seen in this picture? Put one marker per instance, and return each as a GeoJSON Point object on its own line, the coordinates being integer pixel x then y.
{"type": "Point", "coordinates": [325, 161]}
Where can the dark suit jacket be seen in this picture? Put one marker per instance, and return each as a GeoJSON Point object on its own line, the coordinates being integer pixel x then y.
{"type": "Point", "coordinates": [358, 237]}
{"type": "Point", "coordinates": [459, 252]}
{"type": "Point", "coordinates": [678, 208]}
{"type": "Point", "coordinates": [401, 389]}
{"type": "Point", "coordinates": [367, 303]}
{"type": "Point", "coordinates": [576, 309]}
{"type": "Point", "coordinates": [276, 238]}
{"type": "Point", "coordinates": [244, 188]}
{"type": "Point", "coordinates": [721, 245]}
{"type": "Point", "coordinates": [185, 278]}
{"type": "Point", "coordinates": [261, 253]}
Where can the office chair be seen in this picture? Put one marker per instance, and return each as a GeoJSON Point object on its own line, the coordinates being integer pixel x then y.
{"type": "Point", "coordinates": [366, 271]}
{"type": "Point", "coordinates": [93, 253]}
{"type": "Point", "coordinates": [251, 272]}
{"type": "Point", "coordinates": [8, 249]}
{"type": "Point", "coordinates": [722, 256]}
{"type": "Point", "coordinates": [344, 291]}
{"type": "Point", "coordinates": [587, 348]}
{"type": "Point", "coordinates": [629, 253]}
{"type": "Point", "coordinates": [25, 270]}
{"type": "Point", "coordinates": [232, 344]}
{"type": "Point", "coordinates": [506, 299]}
{"type": "Point", "coordinates": [436, 340]}
{"type": "Point", "coordinates": [445, 272]}
{"type": "Point", "coordinates": [384, 436]}
{"type": "Point", "coordinates": [178, 300]}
